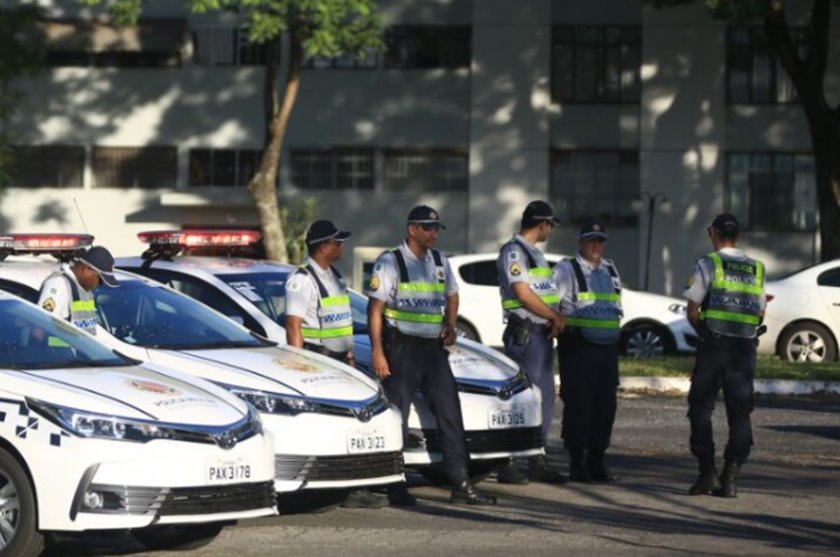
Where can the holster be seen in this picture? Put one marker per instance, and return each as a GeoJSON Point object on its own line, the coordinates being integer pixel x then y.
{"type": "Point", "coordinates": [520, 329]}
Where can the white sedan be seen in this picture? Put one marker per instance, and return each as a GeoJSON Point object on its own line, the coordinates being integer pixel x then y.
{"type": "Point", "coordinates": [332, 425]}
{"type": "Point", "coordinates": [499, 405]}
{"type": "Point", "coordinates": [90, 440]}
{"type": "Point", "coordinates": [652, 324]}
{"type": "Point", "coordinates": [803, 315]}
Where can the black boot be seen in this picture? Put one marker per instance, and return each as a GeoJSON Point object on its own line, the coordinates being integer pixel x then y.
{"type": "Point", "coordinates": [463, 491]}
{"type": "Point", "coordinates": [707, 482]}
{"type": "Point", "coordinates": [597, 468]}
{"type": "Point", "coordinates": [508, 473]}
{"type": "Point", "coordinates": [539, 470]}
{"type": "Point", "coordinates": [729, 479]}
{"type": "Point", "coordinates": [578, 472]}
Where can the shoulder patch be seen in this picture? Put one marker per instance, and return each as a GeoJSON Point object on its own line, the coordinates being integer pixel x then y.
{"type": "Point", "coordinates": [378, 267]}
{"type": "Point", "coordinates": [515, 270]}
{"type": "Point", "coordinates": [49, 304]}
{"type": "Point", "coordinates": [513, 255]}
{"type": "Point", "coordinates": [375, 283]}
{"type": "Point", "coordinates": [294, 284]}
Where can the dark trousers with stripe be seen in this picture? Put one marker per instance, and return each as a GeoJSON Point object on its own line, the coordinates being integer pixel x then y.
{"type": "Point", "coordinates": [588, 388]}
{"type": "Point", "coordinates": [418, 363]}
{"type": "Point", "coordinates": [727, 363]}
{"type": "Point", "coordinates": [534, 357]}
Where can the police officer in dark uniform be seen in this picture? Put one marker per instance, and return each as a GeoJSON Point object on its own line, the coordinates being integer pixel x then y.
{"type": "Point", "coordinates": [319, 318]}
{"type": "Point", "coordinates": [726, 302]}
{"type": "Point", "coordinates": [411, 318]}
{"type": "Point", "coordinates": [589, 288]}
{"type": "Point", "coordinates": [68, 292]}
{"type": "Point", "coordinates": [530, 306]}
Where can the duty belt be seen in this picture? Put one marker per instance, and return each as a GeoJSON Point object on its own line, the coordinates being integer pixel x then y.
{"type": "Point", "coordinates": [514, 320]}
{"type": "Point", "coordinates": [393, 335]}
{"type": "Point", "coordinates": [340, 356]}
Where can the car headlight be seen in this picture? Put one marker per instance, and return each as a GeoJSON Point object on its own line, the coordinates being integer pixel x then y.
{"type": "Point", "coordinates": [273, 403]}
{"type": "Point", "coordinates": [101, 426]}
{"type": "Point", "coordinates": [679, 309]}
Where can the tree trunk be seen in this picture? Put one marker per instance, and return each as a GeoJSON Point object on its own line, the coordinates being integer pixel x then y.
{"type": "Point", "coordinates": [827, 161]}
{"type": "Point", "coordinates": [263, 185]}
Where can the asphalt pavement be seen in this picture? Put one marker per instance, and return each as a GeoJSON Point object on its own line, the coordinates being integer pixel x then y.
{"type": "Point", "coordinates": [789, 502]}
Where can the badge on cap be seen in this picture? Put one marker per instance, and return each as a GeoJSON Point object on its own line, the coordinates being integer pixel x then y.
{"type": "Point", "coordinates": [597, 227]}
{"type": "Point", "coordinates": [433, 215]}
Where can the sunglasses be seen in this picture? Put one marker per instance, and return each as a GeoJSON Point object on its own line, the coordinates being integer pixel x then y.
{"type": "Point", "coordinates": [429, 227]}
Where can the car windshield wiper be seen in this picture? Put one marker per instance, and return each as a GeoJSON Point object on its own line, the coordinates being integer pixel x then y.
{"type": "Point", "coordinates": [74, 363]}
{"type": "Point", "coordinates": [211, 345]}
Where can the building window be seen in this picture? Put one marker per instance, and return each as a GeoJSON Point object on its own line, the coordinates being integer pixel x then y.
{"type": "Point", "coordinates": [754, 74]}
{"type": "Point", "coordinates": [152, 43]}
{"type": "Point", "coordinates": [595, 184]}
{"type": "Point", "coordinates": [223, 167]}
{"type": "Point", "coordinates": [330, 169]}
{"type": "Point", "coordinates": [135, 167]}
{"type": "Point", "coordinates": [772, 191]}
{"type": "Point", "coordinates": [426, 170]}
{"type": "Point", "coordinates": [345, 61]}
{"type": "Point", "coordinates": [226, 46]}
{"type": "Point", "coordinates": [428, 46]}
{"type": "Point", "coordinates": [47, 166]}
{"type": "Point", "coordinates": [595, 64]}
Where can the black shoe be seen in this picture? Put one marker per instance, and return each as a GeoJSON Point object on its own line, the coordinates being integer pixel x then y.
{"type": "Point", "coordinates": [540, 471]}
{"type": "Point", "coordinates": [707, 482]}
{"type": "Point", "coordinates": [578, 472]}
{"type": "Point", "coordinates": [598, 471]}
{"type": "Point", "coordinates": [729, 480]}
{"type": "Point", "coordinates": [398, 496]}
{"type": "Point", "coordinates": [508, 473]}
{"type": "Point", "coordinates": [364, 499]}
{"type": "Point", "coordinates": [464, 492]}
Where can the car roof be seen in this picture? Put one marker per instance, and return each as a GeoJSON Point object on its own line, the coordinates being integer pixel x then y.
{"type": "Point", "coordinates": [214, 265]}
{"type": "Point", "coordinates": [32, 271]}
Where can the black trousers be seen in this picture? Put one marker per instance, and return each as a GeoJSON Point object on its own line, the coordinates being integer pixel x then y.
{"type": "Point", "coordinates": [727, 363]}
{"type": "Point", "coordinates": [588, 389]}
{"type": "Point", "coordinates": [423, 363]}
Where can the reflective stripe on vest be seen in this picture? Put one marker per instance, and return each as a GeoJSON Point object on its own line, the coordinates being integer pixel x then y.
{"type": "Point", "coordinates": [597, 312]}
{"type": "Point", "coordinates": [335, 317]}
{"type": "Point", "coordinates": [419, 305]}
{"type": "Point", "coordinates": [82, 305]}
{"type": "Point", "coordinates": [733, 304]}
{"type": "Point", "coordinates": [540, 281]}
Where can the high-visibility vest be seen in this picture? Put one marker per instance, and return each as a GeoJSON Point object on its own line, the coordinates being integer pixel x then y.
{"type": "Point", "coordinates": [732, 306]}
{"type": "Point", "coordinates": [335, 317]}
{"type": "Point", "coordinates": [597, 310]}
{"type": "Point", "coordinates": [540, 280]}
{"type": "Point", "coordinates": [82, 309]}
{"type": "Point", "coordinates": [420, 303]}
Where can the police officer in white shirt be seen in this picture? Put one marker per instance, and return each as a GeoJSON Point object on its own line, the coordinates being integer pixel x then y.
{"type": "Point", "coordinates": [68, 292]}
{"type": "Point", "coordinates": [411, 319]}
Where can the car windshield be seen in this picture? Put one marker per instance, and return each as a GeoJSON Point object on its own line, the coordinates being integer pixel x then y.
{"type": "Point", "coordinates": [267, 291]}
{"type": "Point", "coordinates": [33, 339]}
{"type": "Point", "coordinates": [155, 317]}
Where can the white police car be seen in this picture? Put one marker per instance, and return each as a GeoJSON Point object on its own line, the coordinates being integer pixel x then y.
{"type": "Point", "coordinates": [500, 408]}
{"type": "Point", "coordinates": [333, 427]}
{"type": "Point", "coordinates": [90, 440]}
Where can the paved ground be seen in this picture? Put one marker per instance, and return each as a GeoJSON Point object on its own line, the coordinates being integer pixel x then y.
{"type": "Point", "coordinates": [789, 503]}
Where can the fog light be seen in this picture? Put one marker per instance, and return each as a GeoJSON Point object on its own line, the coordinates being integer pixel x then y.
{"type": "Point", "coordinates": [93, 500]}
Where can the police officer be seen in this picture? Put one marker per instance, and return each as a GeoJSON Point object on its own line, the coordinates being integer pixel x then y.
{"type": "Point", "coordinates": [529, 303]}
{"type": "Point", "coordinates": [589, 288]}
{"type": "Point", "coordinates": [68, 292]}
{"type": "Point", "coordinates": [726, 303]}
{"type": "Point", "coordinates": [411, 318]}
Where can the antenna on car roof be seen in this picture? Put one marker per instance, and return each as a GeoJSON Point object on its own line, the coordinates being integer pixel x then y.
{"type": "Point", "coordinates": [81, 218]}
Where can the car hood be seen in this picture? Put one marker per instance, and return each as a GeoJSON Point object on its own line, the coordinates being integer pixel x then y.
{"type": "Point", "coordinates": [276, 369]}
{"type": "Point", "coordinates": [139, 392]}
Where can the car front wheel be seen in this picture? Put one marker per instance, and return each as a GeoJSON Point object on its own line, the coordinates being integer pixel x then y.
{"type": "Point", "coordinates": [808, 342]}
{"type": "Point", "coordinates": [645, 341]}
{"type": "Point", "coordinates": [18, 534]}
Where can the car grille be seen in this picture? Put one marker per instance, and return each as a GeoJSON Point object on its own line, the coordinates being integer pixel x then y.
{"type": "Point", "coordinates": [504, 390]}
{"type": "Point", "coordinates": [483, 441]}
{"type": "Point", "coordinates": [332, 468]}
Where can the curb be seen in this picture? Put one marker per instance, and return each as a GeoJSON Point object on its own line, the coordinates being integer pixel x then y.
{"type": "Point", "coordinates": [680, 385]}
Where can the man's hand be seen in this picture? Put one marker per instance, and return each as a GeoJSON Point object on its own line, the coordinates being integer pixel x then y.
{"type": "Point", "coordinates": [351, 359]}
{"type": "Point", "coordinates": [380, 365]}
{"type": "Point", "coordinates": [558, 325]}
{"type": "Point", "coordinates": [448, 334]}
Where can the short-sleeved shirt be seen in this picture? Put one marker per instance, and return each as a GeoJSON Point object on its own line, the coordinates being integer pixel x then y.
{"type": "Point", "coordinates": [701, 277]}
{"type": "Point", "coordinates": [386, 275]}
{"type": "Point", "coordinates": [55, 295]}
{"type": "Point", "coordinates": [598, 277]}
{"type": "Point", "coordinates": [302, 293]}
{"type": "Point", "coordinates": [512, 266]}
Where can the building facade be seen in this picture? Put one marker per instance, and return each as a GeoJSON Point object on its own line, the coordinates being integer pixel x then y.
{"type": "Point", "coordinates": [606, 108]}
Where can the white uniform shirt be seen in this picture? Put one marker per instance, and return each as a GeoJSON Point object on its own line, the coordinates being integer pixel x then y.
{"type": "Point", "coordinates": [512, 266]}
{"type": "Point", "coordinates": [56, 296]}
{"type": "Point", "coordinates": [302, 294]}
{"type": "Point", "coordinates": [701, 277]}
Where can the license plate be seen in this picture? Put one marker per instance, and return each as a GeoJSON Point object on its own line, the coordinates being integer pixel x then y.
{"type": "Point", "coordinates": [228, 471]}
{"type": "Point", "coordinates": [506, 416]}
{"type": "Point", "coordinates": [365, 442]}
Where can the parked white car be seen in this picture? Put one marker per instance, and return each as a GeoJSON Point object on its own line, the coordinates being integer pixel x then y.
{"type": "Point", "coordinates": [90, 440]}
{"type": "Point", "coordinates": [803, 315]}
{"type": "Point", "coordinates": [652, 324]}
{"type": "Point", "coordinates": [500, 407]}
{"type": "Point", "coordinates": [333, 426]}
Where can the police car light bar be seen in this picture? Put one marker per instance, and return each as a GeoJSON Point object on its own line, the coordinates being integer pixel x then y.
{"type": "Point", "coordinates": [200, 238]}
{"type": "Point", "coordinates": [40, 243]}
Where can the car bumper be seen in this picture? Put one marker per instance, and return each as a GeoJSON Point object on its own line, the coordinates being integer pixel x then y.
{"type": "Point", "coordinates": [685, 337]}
